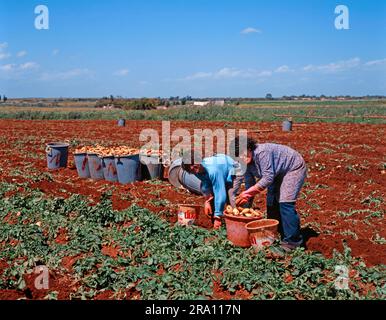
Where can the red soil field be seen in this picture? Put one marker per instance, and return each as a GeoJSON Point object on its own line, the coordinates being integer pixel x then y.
{"type": "Point", "coordinates": [345, 161]}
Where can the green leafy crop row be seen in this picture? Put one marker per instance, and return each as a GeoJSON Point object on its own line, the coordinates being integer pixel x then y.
{"type": "Point", "coordinates": [256, 112]}
{"type": "Point", "coordinates": [156, 259]}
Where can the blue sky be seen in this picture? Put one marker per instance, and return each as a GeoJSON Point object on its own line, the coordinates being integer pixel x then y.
{"type": "Point", "coordinates": [230, 48]}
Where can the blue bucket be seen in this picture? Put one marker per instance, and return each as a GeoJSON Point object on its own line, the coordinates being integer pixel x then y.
{"type": "Point", "coordinates": [128, 168]}
{"type": "Point", "coordinates": [287, 125]}
{"type": "Point", "coordinates": [109, 169]}
{"type": "Point", "coordinates": [57, 155]}
{"type": "Point", "coordinates": [81, 163]}
{"type": "Point", "coordinates": [95, 166]}
{"type": "Point", "coordinates": [189, 181]}
{"type": "Point", "coordinates": [153, 166]}
{"type": "Point", "coordinates": [121, 122]}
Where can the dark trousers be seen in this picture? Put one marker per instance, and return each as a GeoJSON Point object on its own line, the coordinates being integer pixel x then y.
{"type": "Point", "coordinates": [289, 221]}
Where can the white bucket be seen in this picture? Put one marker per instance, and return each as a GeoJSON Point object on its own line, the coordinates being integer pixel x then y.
{"type": "Point", "coordinates": [187, 215]}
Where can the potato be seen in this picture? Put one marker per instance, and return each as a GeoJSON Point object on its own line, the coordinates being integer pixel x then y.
{"type": "Point", "coordinates": [248, 215]}
{"type": "Point", "coordinates": [236, 212]}
{"type": "Point", "coordinates": [257, 213]}
{"type": "Point", "coordinates": [229, 210]}
{"type": "Point", "coordinates": [246, 210]}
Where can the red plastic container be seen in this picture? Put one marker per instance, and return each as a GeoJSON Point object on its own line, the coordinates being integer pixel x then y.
{"type": "Point", "coordinates": [237, 233]}
{"type": "Point", "coordinates": [262, 233]}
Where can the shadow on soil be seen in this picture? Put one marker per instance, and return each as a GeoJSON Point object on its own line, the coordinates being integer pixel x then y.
{"type": "Point", "coordinates": [307, 234]}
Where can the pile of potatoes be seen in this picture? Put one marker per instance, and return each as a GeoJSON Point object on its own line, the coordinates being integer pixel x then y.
{"type": "Point", "coordinates": [245, 212]}
{"type": "Point", "coordinates": [108, 151]}
{"type": "Point", "coordinates": [151, 152]}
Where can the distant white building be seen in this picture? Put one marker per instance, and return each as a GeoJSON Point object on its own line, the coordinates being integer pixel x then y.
{"type": "Point", "coordinates": [201, 103]}
{"type": "Point", "coordinates": [219, 103]}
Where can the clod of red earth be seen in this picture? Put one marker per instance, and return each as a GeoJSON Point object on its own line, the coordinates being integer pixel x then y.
{"type": "Point", "coordinates": [8, 294]}
{"type": "Point", "coordinates": [160, 270]}
{"type": "Point", "coordinates": [220, 294]}
{"type": "Point", "coordinates": [126, 253]}
{"type": "Point", "coordinates": [364, 288]}
{"type": "Point", "coordinates": [111, 251]}
{"type": "Point", "coordinates": [62, 237]}
{"type": "Point", "coordinates": [372, 254]}
{"type": "Point", "coordinates": [288, 278]}
{"type": "Point", "coordinates": [105, 295]}
{"type": "Point", "coordinates": [68, 262]}
{"type": "Point", "coordinates": [14, 242]}
{"type": "Point", "coordinates": [176, 268]}
{"type": "Point", "coordinates": [10, 218]}
{"type": "Point", "coordinates": [3, 263]}
{"type": "Point", "coordinates": [335, 145]}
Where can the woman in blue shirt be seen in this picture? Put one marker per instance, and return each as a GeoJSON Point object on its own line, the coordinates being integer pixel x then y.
{"type": "Point", "coordinates": [217, 175]}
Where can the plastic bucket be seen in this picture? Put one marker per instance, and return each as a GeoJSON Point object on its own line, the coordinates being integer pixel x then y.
{"type": "Point", "coordinates": [173, 171]}
{"type": "Point", "coordinates": [81, 163]}
{"type": "Point", "coordinates": [190, 181]}
{"type": "Point", "coordinates": [109, 169]}
{"type": "Point", "coordinates": [237, 233]}
{"type": "Point", "coordinates": [95, 166]}
{"type": "Point", "coordinates": [187, 214]}
{"type": "Point", "coordinates": [262, 233]}
{"type": "Point", "coordinates": [128, 168]}
{"type": "Point", "coordinates": [121, 122]}
{"type": "Point", "coordinates": [287, 125]}
{"type": "Point", "coordinates": [152, 166]}
{"type": "Point", "coordinates": [57, 155]}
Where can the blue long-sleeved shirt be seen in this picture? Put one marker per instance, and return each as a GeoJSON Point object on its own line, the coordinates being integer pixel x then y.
{"type": "Point", "coordinates": [219, 172]}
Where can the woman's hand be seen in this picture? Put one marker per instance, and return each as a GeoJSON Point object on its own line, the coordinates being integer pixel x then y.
{"type": "Point", "coordinates": [247, 195]}
{"type": "Point", "coordinates": [208, 211]}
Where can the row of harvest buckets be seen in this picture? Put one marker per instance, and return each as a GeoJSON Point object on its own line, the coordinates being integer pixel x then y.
{"type": "Point", "coordinates": [123, 168]}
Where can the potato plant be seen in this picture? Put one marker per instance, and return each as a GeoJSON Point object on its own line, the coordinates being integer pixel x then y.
{"type": "Point", "coordinates": [158, 260]}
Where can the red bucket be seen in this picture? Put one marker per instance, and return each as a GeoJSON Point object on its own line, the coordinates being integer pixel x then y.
{"type": "Point", "coordinates": [262, 233]}
{"type": "Point", "coordinates": [236, 231]}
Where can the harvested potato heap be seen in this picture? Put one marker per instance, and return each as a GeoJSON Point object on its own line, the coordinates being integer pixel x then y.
{"type": "Point", "coordinates": [108, 151]}
{"type": "Point", "coordinates": [246, 212]}
{"type": "Point", "coordinates": [124, 151]}
{"type": "Point", "coordinates": [151, 152]}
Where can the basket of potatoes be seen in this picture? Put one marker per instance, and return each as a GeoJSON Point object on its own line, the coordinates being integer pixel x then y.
{"type": "Point", "coordinates": [235, 221]}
